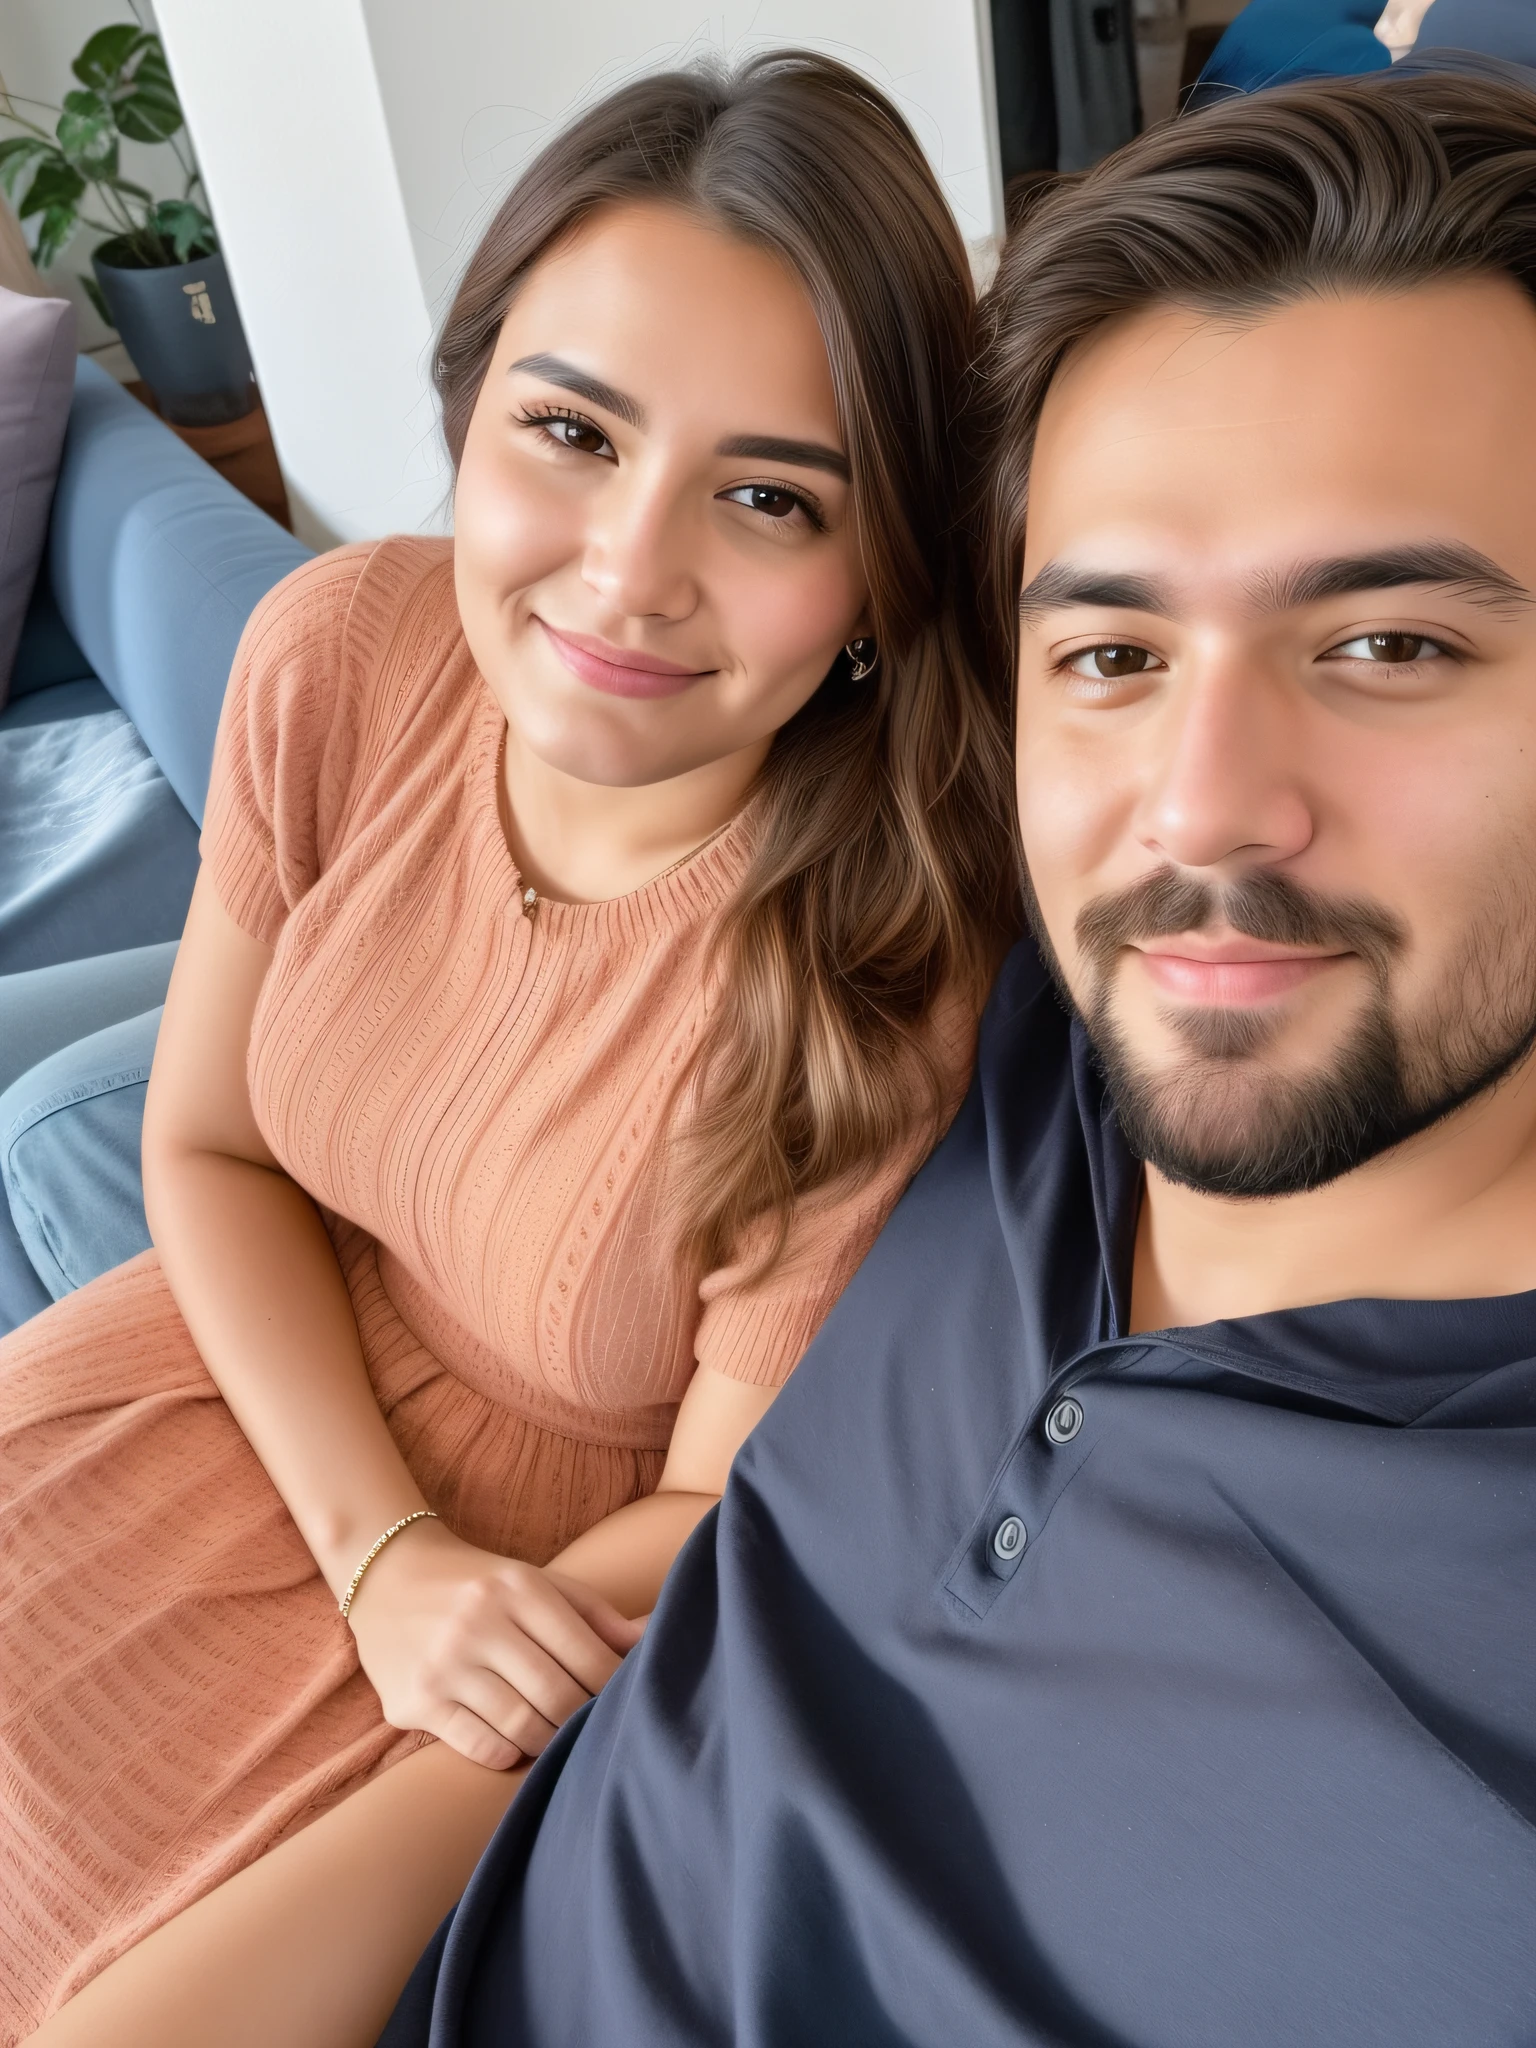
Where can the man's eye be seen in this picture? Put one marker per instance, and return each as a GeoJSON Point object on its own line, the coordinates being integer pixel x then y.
{"type": "Point", "coordinates": [1393, 650]}
{"type": "Point", "coordinates": [1111, 662]}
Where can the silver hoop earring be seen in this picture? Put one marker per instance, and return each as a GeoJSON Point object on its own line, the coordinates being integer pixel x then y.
{"type": "Point", "coordinates": [863, 654]}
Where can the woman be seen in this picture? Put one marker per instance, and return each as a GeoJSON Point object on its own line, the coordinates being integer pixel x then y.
{"type": "Point", "coordinates": [594, 918]}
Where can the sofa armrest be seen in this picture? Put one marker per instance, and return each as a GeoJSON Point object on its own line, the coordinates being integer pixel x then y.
{"type": "Point", "coordinates": [156, 563]}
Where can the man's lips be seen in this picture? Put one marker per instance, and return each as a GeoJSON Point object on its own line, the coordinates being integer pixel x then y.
{"type": "Point", "coordinates": [1233, 973]}
{"type": "Point", "coordinates": [620, 671]}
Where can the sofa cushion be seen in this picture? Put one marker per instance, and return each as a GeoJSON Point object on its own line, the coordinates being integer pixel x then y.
{"type": "Point", "coordinates": [156, 563]}
{"type": "Point", "coordinates": [37, 368]}
{"type": "Point", "coordinates": [48, 1009]}
{"type": "Point", "coordinates": [95, 851]}
{"type": "Point", "coordinates": [58, 700]}
{"type": "Point", "coordinates": [22, 1294]}
{"type": "Point", "coordinates": [69, 1154]}
{"type": "Point", "coordinates": [47, 654]}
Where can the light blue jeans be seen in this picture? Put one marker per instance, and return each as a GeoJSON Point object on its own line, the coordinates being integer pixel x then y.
{"type": "Point", "coordinates": [76, 1041]}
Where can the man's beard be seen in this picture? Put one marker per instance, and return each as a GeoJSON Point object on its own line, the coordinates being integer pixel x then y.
{"type": "Point", "coordinates": [1222, 1121]}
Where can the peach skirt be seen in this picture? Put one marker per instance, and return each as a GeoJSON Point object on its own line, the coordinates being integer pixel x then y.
{"type": "Point", "coordinates": [177, 1690]}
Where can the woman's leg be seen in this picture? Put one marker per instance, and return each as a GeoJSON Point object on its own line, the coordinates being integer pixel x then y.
{"type": "Point", "coordinates": [311, 1945]}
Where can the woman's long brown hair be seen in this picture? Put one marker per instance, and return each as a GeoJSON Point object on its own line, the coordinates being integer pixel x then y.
{"type": "Point", "coordinates": [882, 867]}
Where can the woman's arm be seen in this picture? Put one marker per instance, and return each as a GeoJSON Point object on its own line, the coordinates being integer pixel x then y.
{"type": "Point", "coordinates": [483, 1651]}
{"type": "Point", "coordinates": [626, 1556]}
{"type": "Point", "coordinates": [250, 1264]}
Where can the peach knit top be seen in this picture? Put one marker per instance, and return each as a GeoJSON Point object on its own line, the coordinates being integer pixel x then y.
{"type": "Point", "coordinates": [481, 1102]}
{"type": "Point", "coordinates": [487, 1093]}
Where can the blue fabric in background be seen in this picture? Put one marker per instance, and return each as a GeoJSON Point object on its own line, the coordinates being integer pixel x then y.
{"type": "Point", "coordinates": [74, 1116]}
{"type": "Point", "coordinates": [156, 563]}
{"type": "Point", "coordinates": [1273, 42]}
{"type": "Point", "coordinates": [95, 851]}
{"type": "Point", "coordinates": [71, 1130]}
{"type": "Point", "coordinates": [1493, 28]}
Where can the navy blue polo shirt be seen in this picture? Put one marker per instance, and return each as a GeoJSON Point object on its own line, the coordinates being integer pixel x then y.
{"type": "Point", "coordinates": [1036, 1683]}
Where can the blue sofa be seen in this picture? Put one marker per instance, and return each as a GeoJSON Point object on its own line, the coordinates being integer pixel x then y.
{"type": "Point", "coordinates": [154, 563]}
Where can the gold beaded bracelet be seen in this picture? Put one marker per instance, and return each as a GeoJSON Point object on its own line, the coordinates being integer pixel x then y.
{"type": "Point", "coordinates": [405, 1521]}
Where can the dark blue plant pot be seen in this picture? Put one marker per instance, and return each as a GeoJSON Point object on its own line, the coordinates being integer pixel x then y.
{"type": "Point", "coordinates": [180, 325]}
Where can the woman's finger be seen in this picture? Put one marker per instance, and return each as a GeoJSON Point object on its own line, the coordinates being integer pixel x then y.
{"type": "Point", "coordinates": [601, 1616]}
{"type": "Point", "coordinates": [505, 1710]}
{"type": "Point", "coordinates": [528, 1669]}
{"type": "Point", "coordinates": [475, 1739]}
{"type": "Point", "coordinates": [545, 1614]}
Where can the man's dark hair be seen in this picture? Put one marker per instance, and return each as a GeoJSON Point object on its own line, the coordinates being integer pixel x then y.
{"type": "Point", "coordinates": [1380, 184]}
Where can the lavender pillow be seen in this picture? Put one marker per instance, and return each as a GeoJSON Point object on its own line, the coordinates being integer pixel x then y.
{"type": "Point", "coordinates": [37, 381]}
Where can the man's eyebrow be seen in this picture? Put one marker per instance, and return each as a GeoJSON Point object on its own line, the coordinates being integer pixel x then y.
{"type": "Point", "coordinates": [556, 370]}
{"type": "Point", "coordinates": [1448, 565]}
{"type": "Point", "coordinates": [804, 454]}
{"type": "Point", "coordinates": [1059, 584]}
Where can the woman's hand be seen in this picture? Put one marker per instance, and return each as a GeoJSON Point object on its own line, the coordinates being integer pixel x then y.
{"type": "Point", "coordinates": [486, 1653]}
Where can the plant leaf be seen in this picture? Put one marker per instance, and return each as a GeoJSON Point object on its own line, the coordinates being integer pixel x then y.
{"type": "Point", "coordinates": [145, 104]}
{"type": "Point", "coordinates": [88, 135]}
{"type": "Point", "coordinates": [102, 60]}
{"type": "Point", "coordinates": [58, 224]}
{"type": "Point", "coordinates": [56, 184]}
{"type": "Point", "coordinates": [18, 156]}
{"type": "Point", "coordinates": [94, 293]}
{"type": "Point", "coordinates": [186, 227]}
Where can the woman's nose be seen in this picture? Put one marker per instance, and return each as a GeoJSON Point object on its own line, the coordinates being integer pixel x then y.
{"type": "Point", "coordinates": [640, 556]}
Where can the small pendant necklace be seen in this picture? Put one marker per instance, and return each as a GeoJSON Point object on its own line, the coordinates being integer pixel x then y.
{"type": "Point", "coordinates": [531, 899]}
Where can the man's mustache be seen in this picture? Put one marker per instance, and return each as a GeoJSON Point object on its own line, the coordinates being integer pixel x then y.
{"type": "Point", "coordinates": [1265, 905]}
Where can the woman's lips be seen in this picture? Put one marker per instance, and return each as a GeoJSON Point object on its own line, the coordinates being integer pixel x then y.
{"type": "Point", "coordinates": [618, 671]}
{"type": "Point", "coordinates": [1231, 976]}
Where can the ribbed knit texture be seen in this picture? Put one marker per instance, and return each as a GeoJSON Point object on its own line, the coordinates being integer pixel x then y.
{"type": "Point", "coordinates": [481, 1103]}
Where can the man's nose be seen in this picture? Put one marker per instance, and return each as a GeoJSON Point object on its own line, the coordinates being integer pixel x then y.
{"type": "Point", "coordinates": [1223, 777]}
{"type": "Point", "coordinates": [638, 557]}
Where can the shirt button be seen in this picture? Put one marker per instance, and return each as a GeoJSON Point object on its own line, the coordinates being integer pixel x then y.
{"type": "Point", "coordinates": [1009, 1538]}
{"type": "Point", "coordinates": [1064, 1421]}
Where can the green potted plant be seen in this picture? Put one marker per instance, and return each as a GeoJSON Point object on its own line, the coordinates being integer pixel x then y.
{"type": "Point", "coordinates": [159, 278]}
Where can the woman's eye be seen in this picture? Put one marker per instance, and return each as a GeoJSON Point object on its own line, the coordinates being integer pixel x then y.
{"type": "Point", "coordinates": [1393, 650]}
{"type": "Point", "coordinates": [571, 431]}
{"type": "Point", "coordinates": [1112, 662]}
{"type": "Point", "coordinates": [771, 500]}
{"type": "Point", "coordinates": [582, 436]}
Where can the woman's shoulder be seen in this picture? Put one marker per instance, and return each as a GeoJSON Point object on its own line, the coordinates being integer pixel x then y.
{"type": "Point", "coordinates": [340, 611]}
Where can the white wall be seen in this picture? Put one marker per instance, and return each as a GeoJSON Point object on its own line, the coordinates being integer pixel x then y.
{"type": "Point", "coordinates": [353, 148]}
{"type": "Point", "coordinates": [461, 130]}
{"type": "Point", "coordinates": [285, 113]}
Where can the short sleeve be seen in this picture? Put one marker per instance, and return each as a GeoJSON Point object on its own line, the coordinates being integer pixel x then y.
{"type": "Point", "coordinates": [279, 761]}
{"type": "Point", "coordinates": [757, 1330]}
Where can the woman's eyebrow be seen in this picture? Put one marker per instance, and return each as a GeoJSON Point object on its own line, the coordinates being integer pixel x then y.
{"type": "Point", "coordinates": [556, 370]}
{"type": "Point", "coordinates": [771, 448]}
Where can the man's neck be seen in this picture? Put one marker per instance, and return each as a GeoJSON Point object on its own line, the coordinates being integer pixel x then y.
{"type": "Point", "coordinates": [1448, 1216]}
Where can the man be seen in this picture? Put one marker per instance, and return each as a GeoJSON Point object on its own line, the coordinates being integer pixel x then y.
{"type": "Point", "coordinates": [1121, 1633]}
{"type": "Point", "coordinates": [1123, 1629]}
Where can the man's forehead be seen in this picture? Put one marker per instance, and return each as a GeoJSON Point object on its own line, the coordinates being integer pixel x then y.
{"type": "Point", "coordinates": [1167, 366]}
{"type": "Point", "coordinates": [1322, 430]}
